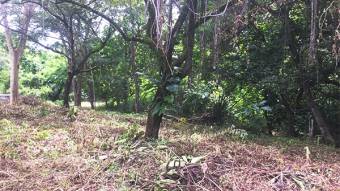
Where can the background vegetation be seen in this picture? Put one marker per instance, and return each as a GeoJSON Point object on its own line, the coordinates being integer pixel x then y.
{"type": "Point", "coordinates": [250, 65]}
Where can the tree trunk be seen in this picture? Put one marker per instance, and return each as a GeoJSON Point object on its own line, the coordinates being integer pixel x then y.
{"type": "Point", "coordinates": [67, 89]}
{"type": "Point", "coordinates": [311, 127]}
{"type": "Point", "coordinates": [92, 97]}
{"type": "Point", "coordinates": [291, 129]}
{"type": "Point", "coordinates": [216, 41]}
{"type": "Point", "coordinates": [155, 117]}
{"type": "Point", "coordinates": [324, 127]}
{"type": "Point", "coordinates": [137, 97]}
{"type": "Point", "coordinates": [14, 78]}
{"type": "Point", "coordinates": [313, 27]}
{"type": "Point", "coordinates": [153, 125]}
{"type": "Point", "coordinates": [155, 112]}
{"type": "Point", "coordinates": [16, 51]}
{"type": "Point", "coordinates": [322, 124]}
{"type": "Point", "coordinates": [203, 42]}
{"type": "Point", "coordinates": [135, 76]}
{"type": "Point", "coordinates": [290, 118]}
{"type": "Point", "coordinates": [77, 90]}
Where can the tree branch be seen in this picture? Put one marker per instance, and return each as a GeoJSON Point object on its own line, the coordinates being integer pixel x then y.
{"type": "Point", "coordinates": [190, 39]}
{"type": "Point", "coordinates": [178, 25]}
{"type": "Point", "coordinates": [30, 38]}
{"type": "Point", "coordinates": [220, 10]}
{"type": "Point", "coordinates": [8, 34]}
{"type": "Point", "coordinates": [101, 46]}
{"type": "Point", "coordinates": [112, 22]}
{"type": "Point", "coordinates": [88, 70]}
{"type": "Point", "coordinates": [28, 13]}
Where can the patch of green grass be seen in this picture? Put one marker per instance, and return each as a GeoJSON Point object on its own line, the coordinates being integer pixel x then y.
{"type": "Point", "coordinates": [42, 135]}
{"type": "Point", "coordinates": [10, 139]}
{"type": "Point", "coordinates": [44, 111]}
{"type": "Point", "coordinates": [5, 123]}
{"type": "Point", "coordinates": [131, 133]}
{"type": "Point", "coordinates": [113, 167]}
{"type": "Point", "coordinates": [53, 154]}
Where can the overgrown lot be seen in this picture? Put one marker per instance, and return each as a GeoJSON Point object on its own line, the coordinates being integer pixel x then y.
{"type": "Point", "coordinates": [45, 147]}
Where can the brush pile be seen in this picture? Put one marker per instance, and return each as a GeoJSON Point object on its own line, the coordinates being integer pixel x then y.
{"type": "Point", "coordinates": [42, 148]}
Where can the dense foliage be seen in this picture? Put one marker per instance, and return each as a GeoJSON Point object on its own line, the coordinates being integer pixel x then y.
{"type": "Point", "coordinates": [250, 65]}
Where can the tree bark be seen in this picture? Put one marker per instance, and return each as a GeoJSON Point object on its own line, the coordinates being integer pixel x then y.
{"type": "Point", "coordinates": [92, 95]}
{"type": "Point", "coordinates": [77, 90]}
{"type": "Point", "coordinates": [313, 37]}
{"type": "Point", "coordinates": [78, 83]}
{"type": "Point", "coordinates": [154, 115]}
{"type": "Point", "coordinates": [290, 118]}
{"type": "Point", "coordinates": [135, 76]}
{"type": "Point", "coordinates": [202, 35]}
{"type": "Point", "coordinates": [67, 89]}
{"type": "Point", "coordinates": [216, 41]}
{"type": "Point", "coordinates": [311, 127]}
{"type": "Point", "coordinates": [16, 51]}
{"type": "Point", "coordinates": [153, 125]}
{"type": "Point", "coordinates": [320, 120]}
{"type": "Point", "coordinates": [14, 78]}
{"type": "Point", "coordinates": [323, 126]}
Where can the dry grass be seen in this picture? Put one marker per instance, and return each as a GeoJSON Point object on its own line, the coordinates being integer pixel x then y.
{"type": "Point", "coordinates": [42, 149]}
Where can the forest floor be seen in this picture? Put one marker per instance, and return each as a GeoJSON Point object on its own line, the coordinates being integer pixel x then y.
{"type": "Point", "coordinates": [46, 147]}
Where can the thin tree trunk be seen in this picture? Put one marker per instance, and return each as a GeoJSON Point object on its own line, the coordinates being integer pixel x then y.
{"type": "Point", "coordinates": [135, 76]}
{"type": "Point", "coordinates": [16, 51]}
{"type": "Point", "coordinates": [67, 89]}
{"type": "Point", "coordinates": [216, 41]}
{"type": "Point", "coordinates": [291, 118]}
{"type": "Point", "coordinates": [92, 97]}
{"type": "Point", "coordinates": [14, 78]}
{"type": "Point", "coordinates": [324, 127]}
{"type": "Point", "coordinates": [77, 89]}
{"type": "Point", "coordinates": [203, 41]}
{"type": "Point", "coordinates": [313, 28]}
{"type": "Point", "coordinates": [78, 82]}
{"type": "Point", "coordinates": [311, 127]}
{"type": "Point", "coordinates": [190, 41]}
{"type": "Point", "coordinates": [170, 17]}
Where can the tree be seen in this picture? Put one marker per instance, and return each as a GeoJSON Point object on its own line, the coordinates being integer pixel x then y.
{"type": "Point", "coordinates": [299, 84]}
{"type": "Point", "coordinates": [163, 43]}
{"type": "Point", "coordinates": [78, 37]}
{"type": "Point", "coordinates": [324, 127]}
{"type": "Point", "coordinates": [266, 65]}
{"type": "Point", "coordinates": [92, 95]}
{"type": "Point", "coordinates": [16, 50]}
{"type": "Point", "coordinates": [135, 77]}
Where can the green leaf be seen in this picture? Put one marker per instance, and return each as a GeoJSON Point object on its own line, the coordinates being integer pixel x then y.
{"type": "Point", "coordinates": [169, 99]}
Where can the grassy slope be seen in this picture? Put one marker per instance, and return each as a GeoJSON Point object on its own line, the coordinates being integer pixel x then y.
{"type": "Point", "coordinates": [42, 149]}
